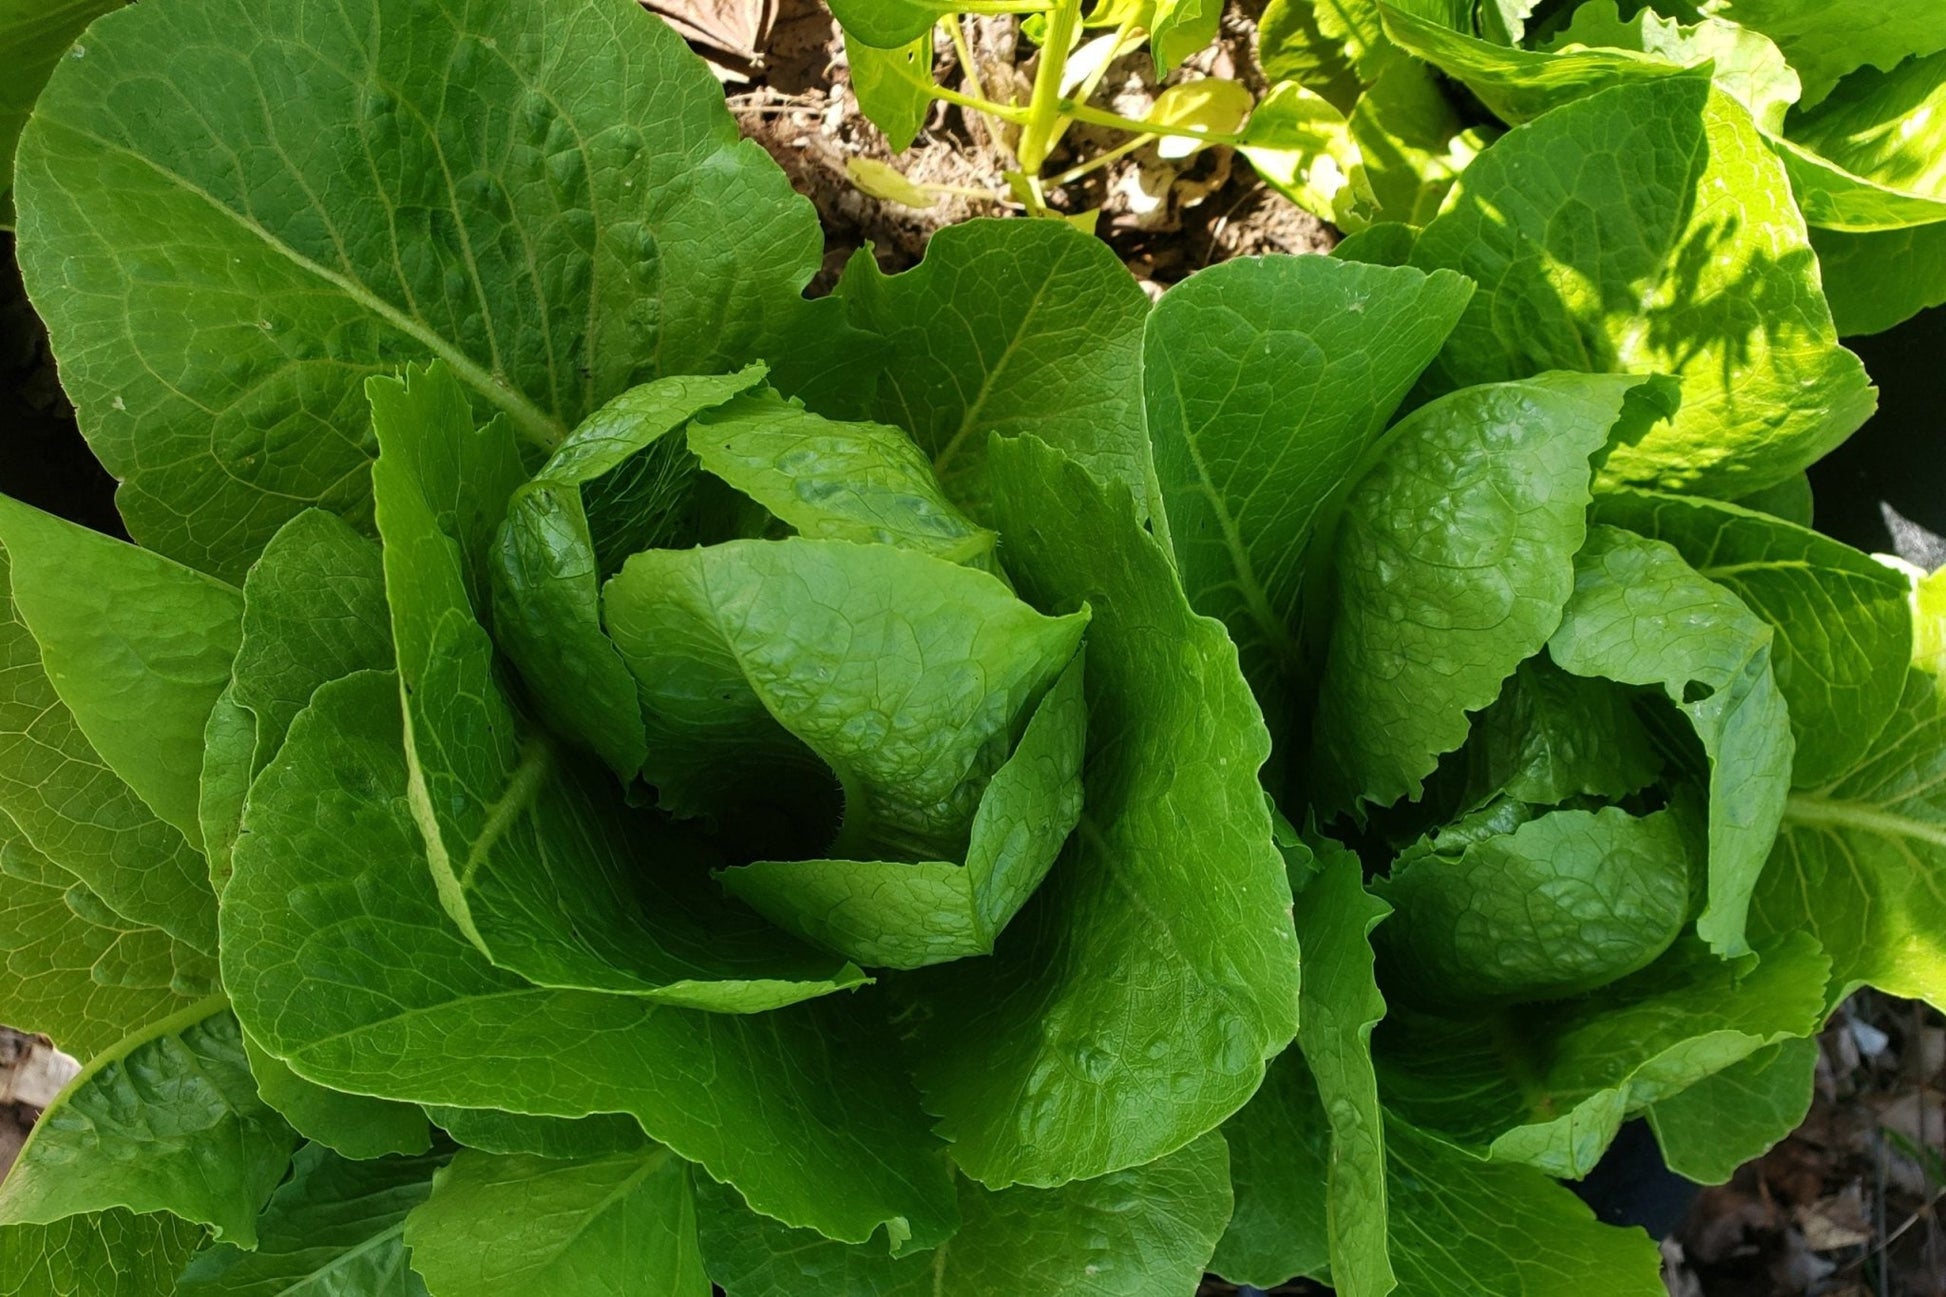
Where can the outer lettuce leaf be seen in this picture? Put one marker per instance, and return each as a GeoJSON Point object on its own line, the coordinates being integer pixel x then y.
{"type": "Point", "coordinates": [342, 962]}
{"type": "Point", "coordinates": [1745, 64]}
{"type": "Point", "coordinates": [137, 646]}
{"type": "Point", "coordinates": [1457, 1216]}
{"type": "Point", "coordinates": [1861, 862]}
{"type": "Point", "coordinates": [1550, 1085]}
{"type": "Point", "coordinates": [1008, 329]}
{"type": "Point", "coordinates": [1824, 42]}
{"type": "Point", "coordinates": [505, 1226]}
{"type": "Point", "coordinates": [1265, 381]}
{"type": "Point", "coordinates": [104, 1254]}
{"type": "Point", "coordinates": [1642, 616]}
{"type": "Point", "coordinates": [73, 968]}
{"type": "Point", "coordinates": [1131, 1005]}
{"type": "Point", "coordinates": [332, 1230]}
{"type": "Point", "coordinates": [1842, 631]}
{"type": "Point", "coordinates": [1876, 281]}
{"type": "Point", "coordinates": [78, 813]}
{"type": "Point", "coordinates": [548, 568]}
{"type": "Point", "coordinates": [168, 1120]}
{"type": "Point", "coordinates": [1454, 559]}
{"type": "Point", "coordinates": [1564, 904]}
{"type": "Point", "coordinates": [1321, 1105]}
{"type": "Point", "coordinates": [35, 34]}
{"type": "Point", "coordinates": [546, 877]}
{"type": "Point", "coordinates": [266, 183]}
{"type": "Point", "coordinates": [1147, 1230]}
{"type": "Point", "coordinates": [1715, 1126]}
{"type": "Point", "coordinates": [1587, 264]}
{"type": "Point", "coordinates": [351, 1125]}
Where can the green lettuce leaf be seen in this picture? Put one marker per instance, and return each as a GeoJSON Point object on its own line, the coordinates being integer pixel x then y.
{"type": "Point", "coordinates": [1640, 615]}
{"type": "Point", "coordinates": [76, 970]}
{"type": "Point", "coordinates": [1824, 42]}
{"type": "Point", "coordinates": [1007, 329]}
{"type": "Point", "coordinates": [1707, 1131]}
{"type": "Point", "coordinates": [1746, 64]}
{"type": "Point", "coordinates": [1566, 903]}
{"type": "Point", "coordinates": [1265, 381]}
{"type": "Point", "coordinates": [168, 1120]}
{"type": "Point", "coordinates": [342, 962]}
{"type": "Point", "coordinates": [332, 1230]}
{"type": "Point", "coordinates": [1586, 264]}
{"type": "Point", "coordinates": [35, 34]}
{"type": "Point", "coordinates": [307, 210]}
{"type": "Point", "coordinates": [1132, 1004]}
{"type": "Point", "coordinates": [1280, 1173]}
{"type": "Point", "coordinates": [1876, 281]}
{"type": "Point", "coordinates": [1549, 1085]}
{"type": "Point", "coordinates": [1454, 1215]}
{"type": "Point", "coordinates": [79, 814]}
{"type": "Point", "coordinates": [1868, 157]}
{"type": "Point", "coordinates": [864, 482]}
{"type": "Point", "coordinates": [137, 647]}
{"type": "Point", "coordinates": [103, 1254]}
{"type": "Point", "coordinates": [911, 914]}
{"type": "Point", "coordinates": [1148, 1229]}
{"type": "Point", "coordinates": [1551, 737]}
{"type": "Point", "coordinates": [498, 1226]}
{"type": "Point", "coordinates": [1454, 559]}
{"type": "Point", "coordinates": [1861, 861]}
{"type": "Point", "coordinates": [351, 1125]}
{"type": "Point", "coordinates": [548, 877]}
{"type": "Point", "coordinates": [1842, 633]}
{"type": "Point", "coordinates": [548, 566]}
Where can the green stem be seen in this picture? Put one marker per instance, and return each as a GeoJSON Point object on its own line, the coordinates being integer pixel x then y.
{"type": "Point", "coordinates": [1115, 121]}
{"type": "Point", "coordinates": [1005, 112]}
{"type": "Point", "coordinates": [956, 28]}
{"type": "Point", "coordinates": [1092, 83]}
{"type": "Point", "coordinates": [1073, 174]}
{"type": "Point", "coordinates": [1044, 110]}
{"type": "Point", "coordinates": [1005, 6]}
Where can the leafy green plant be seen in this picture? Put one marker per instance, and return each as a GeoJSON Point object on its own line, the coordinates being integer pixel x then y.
{"type": "Point", "coordinates": [598, 772]}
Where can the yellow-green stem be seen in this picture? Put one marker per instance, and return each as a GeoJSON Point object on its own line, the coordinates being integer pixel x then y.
{"type": "Point", "coordinates": [968, 69]}
{"type": "Point", "coordinates": [1092, 83]}
{"type": "Point", "coordinates": [1044, 110]}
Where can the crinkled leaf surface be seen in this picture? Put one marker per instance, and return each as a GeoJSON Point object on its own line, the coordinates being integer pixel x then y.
{"type": "Point", "coordinates": [1147, 1230]}
{"type": "Point", "coordinates": [547, 568]}
{"type": "Point", "coordinates": [1640, 615]}
{"type": "Point", "coordinates": [1564, 904]}
{"type": "Point", "coordinates": [1549, 1085]}
{"type": "Point", "coordinates": [1842, 631]}
{"type": "Point", "coordinates": [78, 813]}
{"type": "Point", "coordinates": [1586, 262]}
{"type": "Point", "coordinates": [1264, 381]}
{"type": "Point", "coordinates": [1009, 327]}
{"type": "Point", "coordinates": [1131, 1005]}
{"type": "Point", "coordinates": [1824, 41]}
{"type": "Point", "coordinates": [341, 960]}
{"type": "Point", "coordinates": [1861, 862]}
{"type": "Point", "coordinates": [1707, 1131]}
{"type": "Point", "coordinates": [1550, 737]}
{"type": "Point", "coordinates": [499, 1226]}
{"type": "Point", "coordinates": [103, 1254]}
{"type": "Point", "coordinates": [138, 648]}
{"type": "Point", "coordinates": [539, 862]}
{"type": "Point", "coordinates": [168, 1120]}
{"type": "Point", "coordinates": [864, 482]}
{"type": "Point", "coordinates": [268, 184]}
{"type": "Point", "coordinates": [1454, 558]}
{"type": "Point", "coordinates": [334, 1229]}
